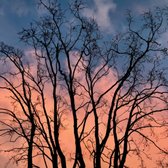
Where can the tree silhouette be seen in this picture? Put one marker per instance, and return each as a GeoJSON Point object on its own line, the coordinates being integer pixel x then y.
{"type": "Point", "coordinates": [109, 94]}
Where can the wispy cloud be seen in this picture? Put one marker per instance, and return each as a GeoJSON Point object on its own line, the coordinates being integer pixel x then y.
{"type": "Point", "coordinates": [20, 7]}
{"type": "Point", "coordinates": [17, 7]}
{"type": "Point", "coordinates": [101, 13]}
{"type": "Point", "coordinates": [143, 6]}
{"type": "Point", "coordinates": [1, 11]}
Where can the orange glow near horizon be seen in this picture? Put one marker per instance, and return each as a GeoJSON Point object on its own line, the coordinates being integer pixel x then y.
{"type": "Point", "coordinates": [66, 132]}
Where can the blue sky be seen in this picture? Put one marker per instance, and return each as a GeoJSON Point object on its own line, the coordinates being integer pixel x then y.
{"type": "Point", "coordinates": [109, 14]}
{"type": "Point", "coordinates": [16, 14]}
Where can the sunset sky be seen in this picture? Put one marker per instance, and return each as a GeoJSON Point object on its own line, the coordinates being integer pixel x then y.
{"type": "Point", "coordinates": [110, 14]}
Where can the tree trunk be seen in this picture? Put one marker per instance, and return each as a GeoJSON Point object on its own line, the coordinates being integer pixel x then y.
{"type": "Point", "coordinates": [97, 160]}
{"type": "Point", "coordinates": [30, 145]}
{"type": "Point", "coordinates": [55, 161]}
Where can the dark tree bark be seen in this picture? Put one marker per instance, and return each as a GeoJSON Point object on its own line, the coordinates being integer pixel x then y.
{"type": "Point", "coordinates": [114, 92]}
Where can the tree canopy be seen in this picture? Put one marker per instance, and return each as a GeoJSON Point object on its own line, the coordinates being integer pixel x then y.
{"type": "Point", "coordinates": [80, 98]}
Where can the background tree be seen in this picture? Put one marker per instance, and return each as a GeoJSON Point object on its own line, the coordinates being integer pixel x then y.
{"type": "Point", "coordinates": [113, 90]}
{"type": "Point", "coordinates": [19, 124]}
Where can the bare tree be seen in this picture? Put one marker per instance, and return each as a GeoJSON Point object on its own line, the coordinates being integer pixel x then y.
{"type": "Point", "coordinates": [18, 125]}
{"type": "Point", "coordinates": [113, 91]}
